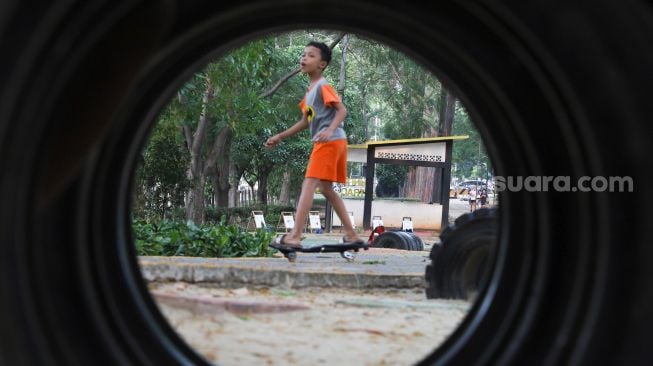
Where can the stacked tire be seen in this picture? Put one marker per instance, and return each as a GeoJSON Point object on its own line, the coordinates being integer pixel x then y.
{"type": "Point", "coordinates": [460, 264]}
{"type": "Point", "coordinates": [399, 240]}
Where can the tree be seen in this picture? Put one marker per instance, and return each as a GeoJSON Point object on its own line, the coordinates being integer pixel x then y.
{"type": "Point", "coordinates": [391, 178]}
{"type": "Point", "coordinates": [296, 71]}
{"type": "Point", "coordinates": [469, 155]}
{"type": "Point", "coordinates": [228, 104]}
{"type": "Point", "coordinates": [161, 182]}
{"type": "Point", "coordinates": [227, 109]}
{"type": "Point", "coordinates": [447, 109]}
{"type": "Point", "coordinates": [201, 161]}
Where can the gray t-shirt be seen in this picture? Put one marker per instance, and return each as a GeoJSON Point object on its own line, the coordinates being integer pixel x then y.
{"type": "Point", "coordinates": [319, 114]}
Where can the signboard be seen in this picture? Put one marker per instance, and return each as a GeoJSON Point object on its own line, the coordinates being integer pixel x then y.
{"type": "Point", "coordinates": [259, 220]}
{"type": "Point", "coordinates": [314, 217]}
{"type": "Point", "coordinates": [377, 221]}
{"type": "Point", "coordinates": [407, 224]}
{"type": "Point", "coordinates": [289, 221]}
{"type": "Point", "coordinates": [430, 152]}
{"type": "Point", "coordinates": [352, 191]}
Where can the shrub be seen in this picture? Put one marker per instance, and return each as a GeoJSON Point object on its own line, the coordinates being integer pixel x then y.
{"type": "Point", "coordinates": [187, 239]}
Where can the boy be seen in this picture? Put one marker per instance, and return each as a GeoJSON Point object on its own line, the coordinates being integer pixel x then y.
{"type": "Point", "coordinates": [324, 113]}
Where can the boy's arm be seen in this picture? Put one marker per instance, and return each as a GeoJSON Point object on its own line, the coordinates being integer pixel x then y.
{"type": "Point", "coordinates": [301, 125]}
{"type": "Point", "coordinates": [341, 113]}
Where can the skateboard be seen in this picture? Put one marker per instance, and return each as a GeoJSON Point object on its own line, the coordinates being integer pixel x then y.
{"type": "Point", "coordinates": [347, 251]}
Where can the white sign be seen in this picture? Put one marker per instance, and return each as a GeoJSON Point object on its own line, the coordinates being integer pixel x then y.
{"type": "Point", "coordinates": [289, 221]}
{"type": "Point", "coordinates": [315, 221]}
{"type": "Point", "coordinates": [260, 221]}
{"type": "Point", "coordinates": [431, 152]}
{"type": "Point", "coordinates": [357, 155]}
{"type": "Point", "coordinates": [376, 223]}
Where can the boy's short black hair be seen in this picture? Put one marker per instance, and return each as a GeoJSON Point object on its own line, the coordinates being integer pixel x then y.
{"type": "Point", "coordinates": [325, 51]}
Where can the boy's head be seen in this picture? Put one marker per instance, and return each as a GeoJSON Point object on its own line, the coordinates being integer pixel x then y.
{"type": "Point", "coordinates": [325, 51]}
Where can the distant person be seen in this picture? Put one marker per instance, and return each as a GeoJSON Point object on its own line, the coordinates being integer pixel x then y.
{"type": "Point", "coordinates": [322, 111]}
{"type": "Point", "coordinates": [483, 197]}
{"type": "Point", "coordinates": [472, 199]}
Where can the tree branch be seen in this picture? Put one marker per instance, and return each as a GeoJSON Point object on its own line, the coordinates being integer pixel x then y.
{"type": "Point", "coordinates": [200, 132]}
{"type": "Point", "coordinates": [219, 148]}
{"type": "Point", "coordinates": [188, 135]}
{"type": "Point", "coordinates": [286, 77]}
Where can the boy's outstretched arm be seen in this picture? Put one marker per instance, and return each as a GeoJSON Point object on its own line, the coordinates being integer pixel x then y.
{"type": "Point", "coordinates": [291, 131]}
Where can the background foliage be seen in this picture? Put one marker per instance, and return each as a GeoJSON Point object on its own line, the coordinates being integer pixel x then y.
{"type": "Point", "coordinates": [388, 96]}
{"type": "Point", "coordinates": [166, 238]}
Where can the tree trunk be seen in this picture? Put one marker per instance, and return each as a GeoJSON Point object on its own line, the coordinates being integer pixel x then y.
{"type": "Point", "coordinates": [447, 109]}
{"type": "Point", "coordinates": [284, 195]}
{"type": "Point", "coordinates": [343, 67]}
{"type": "Point", "coordinates": [262, 193]}
{"type": "Point", "coordinates": [251, 196]}
{"type": "Point", "coordinates": [196, 171]}
{"type": "Point", "coordinates": [220, 194]}
{"type": "Point", "coordinates": [195, 202]}
{"type": "Point", "coordinates": [233, 185]}
{"type": "Point", "coordinates": [366, 117]}
{"type": "Point", "coordinates": [220, 160]}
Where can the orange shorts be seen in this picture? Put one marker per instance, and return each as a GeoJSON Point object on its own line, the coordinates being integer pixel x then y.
{"type": "Point", "coordinates": [328, 161]}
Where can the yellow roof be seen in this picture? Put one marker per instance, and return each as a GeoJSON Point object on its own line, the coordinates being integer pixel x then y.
{"type": "Point", "coordinates": [408, 141]}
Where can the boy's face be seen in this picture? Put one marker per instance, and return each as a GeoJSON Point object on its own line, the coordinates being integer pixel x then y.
{"type": "Point", "coordinates": [311, 60]}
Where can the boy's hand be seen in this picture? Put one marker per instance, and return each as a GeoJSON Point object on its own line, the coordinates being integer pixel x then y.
{"type": "Point", "coordinates": [272, 141]}
{"type": "Point", "coordinates": [323, 136]}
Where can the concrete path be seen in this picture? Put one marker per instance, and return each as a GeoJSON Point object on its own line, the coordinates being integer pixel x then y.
{"type": "Point", "coordinates": [374, 268]}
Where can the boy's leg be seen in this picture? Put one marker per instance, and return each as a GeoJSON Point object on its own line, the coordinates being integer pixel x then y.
{"type": "Point", "coordinates": [341, 211]}
{"type": "Point", "coordinates": [303, 206]}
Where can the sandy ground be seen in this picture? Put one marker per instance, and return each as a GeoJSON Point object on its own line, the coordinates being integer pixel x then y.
{"type": "Point", "coordinates": [318, 326]}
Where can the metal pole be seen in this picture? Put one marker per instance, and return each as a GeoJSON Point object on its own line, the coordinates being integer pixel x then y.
{"type": "Point", "coordinates": [369, 188]}
{"type": "Point", "coordinates": [328, 215]}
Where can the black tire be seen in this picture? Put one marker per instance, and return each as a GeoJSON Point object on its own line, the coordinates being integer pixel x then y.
{"type": "Point", "coordinates": [418, 243]}
{"type": "Point", "coordinates": [399, 240]}
{"type": "Point", "coordinates": [556, 89]}
{"type": "Point", "coordinates": [459, 265]}
{"type": "Point", "coordinates": [392, 240]}
{"type": "Point", "coordinates": [408, 237]}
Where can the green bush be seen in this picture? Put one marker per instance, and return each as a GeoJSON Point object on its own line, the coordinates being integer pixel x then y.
{"type": "Point", "coordinates": [187, 239]}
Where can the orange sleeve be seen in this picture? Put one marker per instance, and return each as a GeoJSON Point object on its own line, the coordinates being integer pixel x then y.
{"type": "Point", "coordinates": [329, 95]}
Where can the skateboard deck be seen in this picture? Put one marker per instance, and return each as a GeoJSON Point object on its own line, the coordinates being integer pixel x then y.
{"type": "Point", "coordinates": [346, 251]}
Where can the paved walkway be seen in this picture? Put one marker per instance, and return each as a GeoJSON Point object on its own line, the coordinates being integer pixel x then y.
{"type": "Point", "coordinates": [375, 267]}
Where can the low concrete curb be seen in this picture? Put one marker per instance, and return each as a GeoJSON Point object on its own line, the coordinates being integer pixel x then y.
{"type": "Point", "coordinates": [380, 270]}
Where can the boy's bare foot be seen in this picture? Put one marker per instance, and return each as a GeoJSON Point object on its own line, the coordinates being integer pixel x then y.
{"type": "Point", "coordinates": [282, 240]}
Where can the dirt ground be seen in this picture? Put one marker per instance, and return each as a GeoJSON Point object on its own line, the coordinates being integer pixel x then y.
{"type": "Point", "coordinates": [327, 326]}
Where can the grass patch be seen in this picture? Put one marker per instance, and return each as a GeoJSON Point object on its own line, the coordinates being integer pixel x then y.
{"type": "Point", "coordinates": [373, 262]}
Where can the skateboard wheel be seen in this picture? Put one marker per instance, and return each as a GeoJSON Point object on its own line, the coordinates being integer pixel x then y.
{"type": "Point", "coordinates": [292, 256]}
{"type": "Point", "coordinates": [349, 256]}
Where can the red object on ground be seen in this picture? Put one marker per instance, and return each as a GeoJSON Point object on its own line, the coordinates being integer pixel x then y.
{"type": "Point", "coordinates": [377, 230]}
